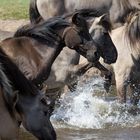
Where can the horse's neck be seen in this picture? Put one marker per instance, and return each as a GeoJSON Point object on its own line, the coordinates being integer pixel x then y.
{"type": "Point", "coordinates": [36, 61]}
{"type": "Point", "coordinates": [48, 55]}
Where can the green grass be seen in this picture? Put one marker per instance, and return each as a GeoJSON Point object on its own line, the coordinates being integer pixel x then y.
{"type": "Point", "coordinates": [14, 9]}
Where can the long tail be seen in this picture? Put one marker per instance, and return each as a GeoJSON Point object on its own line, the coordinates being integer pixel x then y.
{"type": "Point", "coordinates": [34, 14]}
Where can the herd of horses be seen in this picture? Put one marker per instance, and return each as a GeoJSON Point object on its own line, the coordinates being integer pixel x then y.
{"type": "Point", "coordinates": [35, 59]}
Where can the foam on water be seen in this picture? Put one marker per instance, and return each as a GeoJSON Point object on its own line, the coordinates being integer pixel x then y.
{"type": "Point", "coordinates": [83, 109]}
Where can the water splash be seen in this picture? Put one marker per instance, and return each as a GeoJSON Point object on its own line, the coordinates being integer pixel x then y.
{"type": "Point", "coordinates": [84, 109]}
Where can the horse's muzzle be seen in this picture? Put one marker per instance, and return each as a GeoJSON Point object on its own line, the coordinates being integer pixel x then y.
{"type": "Point", "coordinates": [92, 56]}
{"type": "Point", "coordinates": [110, 60]}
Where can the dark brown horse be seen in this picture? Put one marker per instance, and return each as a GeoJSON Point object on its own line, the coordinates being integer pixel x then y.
{"type": "Point", "coordinates": [34, 48]}
{"type": "Point", "coordinates": [118, 9]}
{"type": "Point", "coordinates": [27, 105]}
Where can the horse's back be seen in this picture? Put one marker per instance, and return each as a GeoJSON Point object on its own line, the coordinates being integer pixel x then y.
{"type": "Point", "coordinates": [53, 8]}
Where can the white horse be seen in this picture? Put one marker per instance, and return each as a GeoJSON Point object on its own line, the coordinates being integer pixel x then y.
{"type": "Point", "coordinates": [127, 67]}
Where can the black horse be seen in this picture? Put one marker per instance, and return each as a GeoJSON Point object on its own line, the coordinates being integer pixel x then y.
{"type": "Point", "coordinates": [24, 102]}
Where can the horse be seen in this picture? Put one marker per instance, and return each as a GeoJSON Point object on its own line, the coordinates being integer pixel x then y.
{"type": "Point", "coordinates": [67, 60]}
{"type": "Point", "coordinates": [118, 9]}
{"type": "Point", "coordinates": [126, 69]}
{"type": "Point", "coordinates": [34, 48]}
{"type": "Point", "coordinates": [25, 103]}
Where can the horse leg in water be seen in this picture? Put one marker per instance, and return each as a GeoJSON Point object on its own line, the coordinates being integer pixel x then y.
{"type": "Point", "coordinates": [75, 71]}
{"type": "Point", "coordinates": [121, 86]}
{"type": "Point", "coordinates": [80, 69]}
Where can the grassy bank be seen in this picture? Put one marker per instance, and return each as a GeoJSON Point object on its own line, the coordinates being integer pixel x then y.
{"type": "Point", "coordinates": [14, 9]}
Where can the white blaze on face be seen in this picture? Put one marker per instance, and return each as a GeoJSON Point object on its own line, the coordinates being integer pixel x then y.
{"type": "Point", "coordinates": [95, 24]}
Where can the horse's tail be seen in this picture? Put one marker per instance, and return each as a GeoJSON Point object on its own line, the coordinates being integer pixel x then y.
{"type": "Point", "coordinates": [34, 14]}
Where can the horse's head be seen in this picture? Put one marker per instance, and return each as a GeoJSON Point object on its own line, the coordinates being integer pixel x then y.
{"type": "Point", "coordinates": [99, 30]}
{"type": "Point", "coordinates": [36, 117]}
{"type": "Point", "coordinates": [77, 37]}
{"type": "Point", "coordinates": [27, 102]}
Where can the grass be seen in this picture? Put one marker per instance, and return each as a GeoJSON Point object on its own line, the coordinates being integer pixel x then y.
{"type": "Point", "coordinates": [14, 9]}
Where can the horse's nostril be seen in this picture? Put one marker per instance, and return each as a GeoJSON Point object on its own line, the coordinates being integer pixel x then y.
{"type": "Point", "coordinates": [92, 56]}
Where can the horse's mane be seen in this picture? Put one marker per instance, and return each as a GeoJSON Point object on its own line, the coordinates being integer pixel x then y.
{"type": "Point", "coordinates": [7, 91]}
{"type": "Point", "coordinates": [133, 28]}
{"type": "Point", "coordinates": [45, 31]}
{"type": "Point", "coordinates": [17, 80]}
{"type": "Point", "coordinates": [125, 9]}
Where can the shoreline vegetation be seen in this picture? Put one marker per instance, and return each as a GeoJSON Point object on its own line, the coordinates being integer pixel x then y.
{"type": "Point", "coordinates": [14, 9]}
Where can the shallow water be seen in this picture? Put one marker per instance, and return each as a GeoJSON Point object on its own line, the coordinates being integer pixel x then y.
{"type": "Point", "coordinates": [90, 114]}
{"type": "Point", "coordinates": [103, 134]}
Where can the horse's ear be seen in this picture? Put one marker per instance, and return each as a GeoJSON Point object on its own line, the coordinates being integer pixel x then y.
{"type": "Point", "coordinates": [76, 19]}
{"type": "Point", "coordinates": [105, 21]}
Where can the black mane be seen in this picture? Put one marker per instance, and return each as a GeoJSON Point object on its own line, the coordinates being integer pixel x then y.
{"type": "Point", "coordinates": [17, 80]}
{"type": "Point", "coordinates": [45, 31]}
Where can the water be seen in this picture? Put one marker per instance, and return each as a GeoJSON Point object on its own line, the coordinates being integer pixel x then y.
{"type": "Point", "coordinates": [90, 114]}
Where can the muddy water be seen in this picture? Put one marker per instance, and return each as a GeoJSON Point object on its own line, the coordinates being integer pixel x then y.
{"type": "Point", "coordinates": [103, 134]}
{"type": "Point", "coordinates": [90, 114]}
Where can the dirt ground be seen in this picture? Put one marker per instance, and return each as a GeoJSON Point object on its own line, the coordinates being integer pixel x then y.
{"type": "Point", "coordinates": [8, 27]}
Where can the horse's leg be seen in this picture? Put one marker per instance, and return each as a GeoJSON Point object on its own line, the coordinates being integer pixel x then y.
{"type": "Point", "coordinates": [106, 74]}
{"type": "Point", "coordinates": [121, 86]}
{"type": "Point", "coordinates": [79, 70]}
{"type": "Point", "coordinates": [75, 71]}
